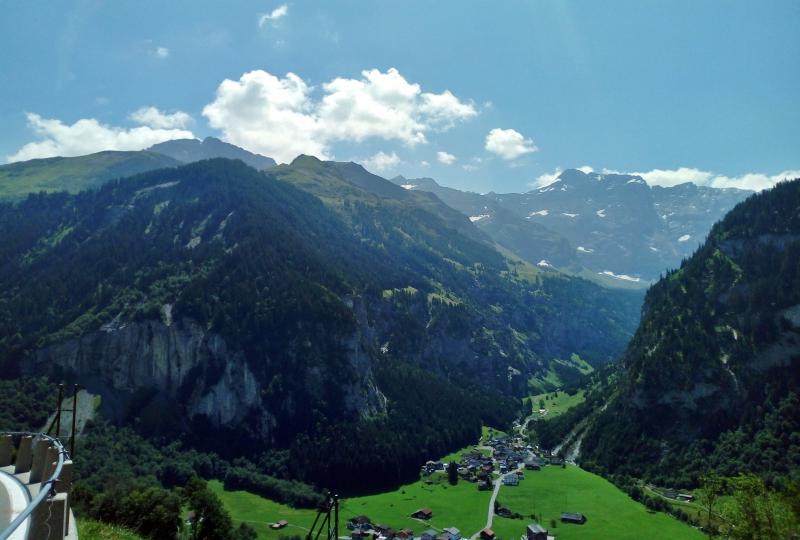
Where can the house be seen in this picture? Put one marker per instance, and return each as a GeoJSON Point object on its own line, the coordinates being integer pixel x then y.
{"type": "Point", "coordinates": [511, 480]}
{"type": "Point", "coordinates": [685, 497]}
{"type": "Point", "coordinates": [532, 466]}
{"type": "Point", "coordinates": [487, 534]}
{"type": "Point", "coordinates": [521, 475]}
{"type": "Point", "coordinates": [452, 533]}
{"type": "Point", "coordinates": [423, 513]}
{"type": "Point", "coordinates": [279, 524]}
{"type": "Point", "coordinates": [534, 531]}
{"type": "Point", "coordinates": [573, 517]}
{"type": "Point", "coordinates": [405, 534]}
{"type": "Point", "coordinates": [430, 534]}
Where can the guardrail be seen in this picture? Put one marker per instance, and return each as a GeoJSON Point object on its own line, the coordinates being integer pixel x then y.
{"type": "Point", "coordinates": [47, 487]}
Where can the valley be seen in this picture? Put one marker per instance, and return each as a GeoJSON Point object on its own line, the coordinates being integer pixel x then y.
{"type": "Point", "coordinates": [545, 493]}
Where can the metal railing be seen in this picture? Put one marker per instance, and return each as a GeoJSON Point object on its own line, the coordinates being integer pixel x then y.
{"type": "Point", "coordinates": [47, 487]}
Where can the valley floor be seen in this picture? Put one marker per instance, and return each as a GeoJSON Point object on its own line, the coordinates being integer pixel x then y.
{"type": "Point", "coordinates": [610, 512]}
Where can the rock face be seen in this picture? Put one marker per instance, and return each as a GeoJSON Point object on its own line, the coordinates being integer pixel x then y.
{"type": "Point", "coordinates": [193, 369]}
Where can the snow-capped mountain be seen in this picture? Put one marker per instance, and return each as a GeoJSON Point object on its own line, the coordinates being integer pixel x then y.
{"type": "Point", "coordinates": [615, 224]}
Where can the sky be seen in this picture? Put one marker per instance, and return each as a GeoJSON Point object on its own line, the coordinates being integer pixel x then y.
{"type": "Point", "coordinates": [485, 96]}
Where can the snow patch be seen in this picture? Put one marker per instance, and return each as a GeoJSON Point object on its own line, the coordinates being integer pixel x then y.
{"type": "Point", "coordinates": [585, 250]}
{"type": "Point", "coordinates": [408, 186]}
{"type": "Point", "coordinates": [569, 215]}
{"type": "Point", "coordinates": [684, 238]}
{"type": "Point", "coordinates": [623, 277]}
{"type": "Point", "coordinates": [654, 249]}
{"type": "Point", "coordinates": [543, 263]}
{"type": "Point", "coordinates": [539, 213]}
{"type": "Point", "coordinates": [478, 218]}
{"type": "Point", "coordinates": [635, 181]}
{"type": "Point", "coordinates": [601, 213]}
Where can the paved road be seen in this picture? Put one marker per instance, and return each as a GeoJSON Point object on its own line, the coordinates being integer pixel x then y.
{"type": "Point", "coordinates": [490, 513]}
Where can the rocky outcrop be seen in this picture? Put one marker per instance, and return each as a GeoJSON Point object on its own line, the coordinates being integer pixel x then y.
{"type": "Point", "coordinates": [180, 360]}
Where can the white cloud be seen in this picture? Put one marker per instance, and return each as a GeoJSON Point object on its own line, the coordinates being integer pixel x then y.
{"type": "Point", "coordinates": [446, 158]}
{"type": "Point", "coordinates": [268, 115]}
{"type": "Point", "coordinates": [381, 161]}
{"type": "Point", "coordinates": [546, 179]}
{"type": "Point", "coordinates": [87, 136]}
{"type": "Point", "coordinates": [152, 117]}
{"type": "Point", "coordinates": [508, 143]}
{"type": "Point", "coordinates": [424, 163]}
{"type": "Point", "coordinates": [162, 52]}
{"type": "Point", "coordinates": [273, 16]}
{"type": "Point", "coordinates": [279, 117]}
{"type": "Point", "coordinates": [469, 168]}
{"type": "Point", "coordinates": [752, 181]}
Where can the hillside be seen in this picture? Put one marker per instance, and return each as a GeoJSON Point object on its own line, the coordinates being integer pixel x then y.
{"type": "Point", "coordinates": [278, 317]}
{"type": "Point", "coordinates": [74, 174]}
{"type": "Point", "coordinates": [712, 376]}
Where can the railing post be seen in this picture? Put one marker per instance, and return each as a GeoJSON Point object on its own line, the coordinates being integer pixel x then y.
{"type": "Point", "coordinates": [6, 450]}
{"type": "Point", "coordinates": [24, 455]}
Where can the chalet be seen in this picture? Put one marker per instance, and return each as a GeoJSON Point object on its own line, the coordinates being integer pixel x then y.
{"type": "Point", "coordinates": [521, 475]}
{"type": "Point", "coordinates": [452, 533]}
{"type": "Point", "coordinates": [430, 534]}
{"type": "Point", "coordinates": [532, 465]}
{"type": "Point", "coordinates": [573, 517]}
{"type": "Point", "coordinates": [405, 534]}
{"type": "Point", "coordinates": [511, 480]}
{"type": "Point", "coordinates": [279, 524]}
{"type": "Point", "coordinates": [423, 513]}
{"type": "Point", "coordinates": [534, 531]}
{"type": "Point", "coordinates": [487, 534]}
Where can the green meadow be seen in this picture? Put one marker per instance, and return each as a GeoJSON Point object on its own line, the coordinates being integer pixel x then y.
{"type": "Point", "coordinates": [556, 403]}
{"type": "Point", "coordinates": [610, 513]}
{"type": "Point", "coordinates": [546, 493]}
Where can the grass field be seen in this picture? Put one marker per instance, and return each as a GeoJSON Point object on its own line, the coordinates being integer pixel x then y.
{"type": "Point", "coordinates": [462, 506]}
{"type": "Point", "coordinates": [555, 405]}
{"type": "Point", "coordinates": [260, 513]}
{"type": "Point", "coordinates": [610, 513]}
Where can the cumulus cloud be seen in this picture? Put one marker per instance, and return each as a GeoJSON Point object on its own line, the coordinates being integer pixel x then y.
{"type": "Point", "coordinates": [509, 143]}
{"type": "Point", "coordinates": [281, 118]}
{"type": "Point", "coordinates": [152, 117]}
{"type": "Point", "coordinates": [273, 16]}
{"type": "Point", "coordinates": [446, 158]}
{"type": "Point", "coordinates": [546, 179]}
{"type": "Point", "coordinates": [381, 161]}
{"type": "Point", "coordinates": [87, 136]}
{"type": "Point", "coordinates": [753, 181]}
{"type": "Point", "coordinates": [162, 52]}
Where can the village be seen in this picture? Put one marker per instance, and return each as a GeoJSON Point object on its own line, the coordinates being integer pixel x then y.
{"type": "Point", "coordinates": [500, 461]}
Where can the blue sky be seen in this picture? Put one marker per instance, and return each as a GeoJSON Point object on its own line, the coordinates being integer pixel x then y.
{"type": "Point", "coordinates": [701, 91]}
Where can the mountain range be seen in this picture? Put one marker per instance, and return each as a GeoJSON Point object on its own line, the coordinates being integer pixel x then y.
{"type": "Point", "coordinates": [615, 225]}
{"type": "Point", "coordinates": [273, 306]}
